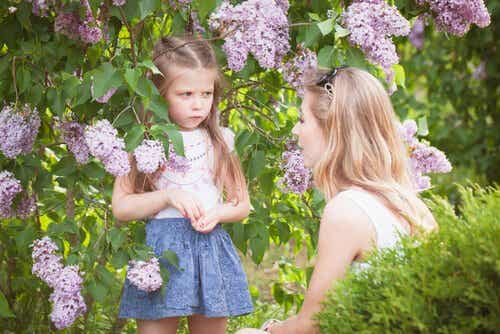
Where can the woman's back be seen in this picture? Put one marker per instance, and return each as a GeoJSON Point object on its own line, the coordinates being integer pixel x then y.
{"type": "Point", "coordinates": [387, 226]}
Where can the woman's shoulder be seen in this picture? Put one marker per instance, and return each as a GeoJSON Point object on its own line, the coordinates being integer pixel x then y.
{"type": "Point", "coordinates": [342, 210]}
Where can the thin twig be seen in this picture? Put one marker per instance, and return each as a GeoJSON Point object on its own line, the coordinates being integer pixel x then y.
{"type": "Point", "coordinates": [14, 80]}
{"type": "Point", "coordinates": [300, 24]}
{"type": "Point", "coordinates": [131, 33]}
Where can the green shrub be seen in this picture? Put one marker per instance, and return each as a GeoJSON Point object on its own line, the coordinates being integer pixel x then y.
{"type": "Point", "coordinates": [448, 283]}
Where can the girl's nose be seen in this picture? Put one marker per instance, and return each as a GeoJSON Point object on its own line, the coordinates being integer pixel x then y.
{"type": "Point", "coordinates": [197, 103]}
{"type": "Point", "coordinates": [295, 129]}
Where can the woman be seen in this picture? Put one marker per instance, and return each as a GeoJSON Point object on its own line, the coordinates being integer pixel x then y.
{"type": "Point", "coordinates": [348, 133]}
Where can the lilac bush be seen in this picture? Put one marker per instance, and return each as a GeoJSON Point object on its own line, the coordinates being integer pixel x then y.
{"type": "Point", "coordinates": [297, 178]}
{"type": "Point", "coordinates": [18, 130]}
{"type": "Point", "coordinates": [257, 27]}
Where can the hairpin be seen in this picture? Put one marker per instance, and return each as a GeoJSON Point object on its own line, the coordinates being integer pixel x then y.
{"type": "Point", "coordinates": [326, 81]}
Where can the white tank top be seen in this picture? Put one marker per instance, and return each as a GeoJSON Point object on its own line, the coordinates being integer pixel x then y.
{"type": "Point", "coordinates": [387, 226]}
{"type": "Point", "coordinates": [198, 179]}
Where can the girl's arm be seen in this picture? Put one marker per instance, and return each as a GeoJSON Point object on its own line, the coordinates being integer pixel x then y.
{"type": "Point", "coordinates": [344, 232]}
{"type": "Point", "coordinates": [228, 212]}
{"type": "Point", "coordinates": [128, 206]}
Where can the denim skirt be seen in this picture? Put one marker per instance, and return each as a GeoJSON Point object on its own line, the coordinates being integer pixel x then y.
{"type": "Point", "coordinates": [210, 280]}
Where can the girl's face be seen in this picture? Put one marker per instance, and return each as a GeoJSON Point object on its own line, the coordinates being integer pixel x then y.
{"type": "Point", "coordinates": [310, 136]}
{"type": "Point", "coordinates": [190, 96]}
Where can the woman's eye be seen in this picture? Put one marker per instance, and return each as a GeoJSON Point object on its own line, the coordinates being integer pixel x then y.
{"type": "Point", "coordinates": [186, 94]}
{"type": "Point", "coordinates": [207, 93]}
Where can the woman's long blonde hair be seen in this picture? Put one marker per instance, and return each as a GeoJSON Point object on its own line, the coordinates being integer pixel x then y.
{"type": "Point", "coordinates": [363, 145]}
{"type": "Point", "coordinates": [191, 52]}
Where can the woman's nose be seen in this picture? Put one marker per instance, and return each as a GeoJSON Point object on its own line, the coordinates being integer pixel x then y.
{"type": "Point", "coordinates": [295, 129]}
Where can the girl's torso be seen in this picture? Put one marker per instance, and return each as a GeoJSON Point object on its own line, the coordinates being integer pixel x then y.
{"type": "Point", "coordinates": [199, 178]}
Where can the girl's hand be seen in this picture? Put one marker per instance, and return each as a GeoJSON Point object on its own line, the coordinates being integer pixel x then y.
{"type": "Point", "coordinates": [187, 203]}
{"type": "Point", "coordinates": [208, 222]}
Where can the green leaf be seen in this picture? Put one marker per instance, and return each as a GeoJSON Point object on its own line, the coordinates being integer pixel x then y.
{"type": "Point", "coordinates": [119, 259]}
{"type": "Point", "coordinates": [64, 167]}
{"type": "Point", "coordinates": [93, 171]}
{"type": "Point", "coordinates": [84, 93]}
{"type": "Point", "coordinates": [125, 119]}
{"type": "Point", "coordinates": [175, 136]}
{"type": "Point", "coordinates": [105, 276]}
{"type": "Point", "coordinates": [399, 75]}
{"type": "Point", "coordinates": [116, 237]}
{"type": "Point", "coordinates": [5, 311]}
{"type": "Point", "coordinates": [70, 87]}
{"type": "Point", "coordinates": [326, 26]}
{"type": "Point", "coordinates": [238, 235]}
{"type": "Point", "coordinates": [423, 129]}
{"type": "Point", "coordinates": [325, 56]}
{"type": "Point", "coordinates": [134, 137]}
{"type": "Point", "coordinates": [312, 35]}
{"type": "Point", "coordinates": [24, 238]}
{"type": "Point", "coordinates": [171, 257]}
{"type": "Point", "coordinates": [205, 7]}
{"type": "Point", "coordinates": [314, 17]}
{"type": "Point", "coordinates": [257, 164]}
{"type": "Point", "coordinates": [104, 78]}
{"type": "Point", "coordinates": [340, 32]}
{"type": "Point", "coordinates": [97, 290]}
{"type": "Point", "coordinates": [149, 65]}
{"type": "Point", "coordinates": [159, 107]}
{"type": "Point", "coordinates": [132, 76]}
{"type": "Point", "coordinates": [147, 7]}
{"type": "Point", "coordinates": [178, 24]}
{"type": "Point", "coordinates": [258, 245]}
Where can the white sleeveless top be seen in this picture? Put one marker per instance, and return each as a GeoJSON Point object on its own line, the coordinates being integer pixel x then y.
{"type": "Point", "coordinates": [387, 226]}
{"type": "Point", "coordinates": [198, 179]}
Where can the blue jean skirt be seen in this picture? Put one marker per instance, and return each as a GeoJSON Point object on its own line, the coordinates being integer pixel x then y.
{"type": "Point", "coordinates": [210, 282]}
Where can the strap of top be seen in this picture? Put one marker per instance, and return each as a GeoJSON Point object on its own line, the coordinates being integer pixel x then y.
{"type": "Point", "coordinates": [387, 227]}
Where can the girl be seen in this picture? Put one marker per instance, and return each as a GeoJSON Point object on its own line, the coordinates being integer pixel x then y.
{"type": "Point", "coordinates": [348, 134]}
{"type": "Point", "coordinates": [186, 205]}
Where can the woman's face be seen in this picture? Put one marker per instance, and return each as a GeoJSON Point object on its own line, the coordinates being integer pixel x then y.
{"type": "Point", "coordinates": [190, 96]}
{"type": "Point", "coordinates": [310, 136]}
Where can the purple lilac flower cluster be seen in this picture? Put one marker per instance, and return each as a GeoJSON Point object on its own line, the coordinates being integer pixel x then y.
{"type": "Point", "coordinates": [297, 178]}
{"type": "Point", "coordinates": [259, 27]}
{"type": "Point", "coordinates": [416, 35]}
{"type": "Point", "coordinates": [73, 136]}
{"type": "Point", "coordinates": [119, 2]}
{"type": "Point", "coordinates": [68, 303]}
{"type": "Point", "coordinates": [18, 130]}
{"type": "Point", "coordinates": [175, 162]}
{"type": "Point", "coordinates": [294, 70]}
{"type": "Point", "coordinates": [41, 7]}
{"type": "Point", "coordinates": [105, 145]}
{"type": "Point", "coordinates": [145, 275]}
{"type": "Point", "coordinates": [424, 159]}
{"type": "Point", "coordinates": [10, 188]}
{"type": "Point", "coordinates": [74, 26]}
{"type": "Point", "coordinates": [372, 25]}
{"type": "Point", "coordinates": [456, 16]}
{"type": "Point", "coordinates": [150, 155]}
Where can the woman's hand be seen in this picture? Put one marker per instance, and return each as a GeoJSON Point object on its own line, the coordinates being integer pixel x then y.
{"type": "Point", "coordinates": [187, 203]}
{"type": "Point", "coordinates": [289, 326]}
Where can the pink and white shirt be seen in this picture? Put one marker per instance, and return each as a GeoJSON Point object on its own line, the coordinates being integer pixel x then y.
{"type": "Point", "coordinates": [198, 180]}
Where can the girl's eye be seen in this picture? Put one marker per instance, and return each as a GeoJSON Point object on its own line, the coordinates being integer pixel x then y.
{"type": "Point", "coordinates": [207, 93]}
{"type": "Point", "coordinates": [186, 94]}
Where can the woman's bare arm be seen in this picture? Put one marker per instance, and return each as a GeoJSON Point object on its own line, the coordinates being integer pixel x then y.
{"type": "Point", "coordinates": [344, 233]}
